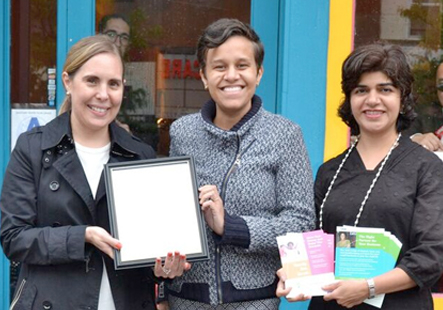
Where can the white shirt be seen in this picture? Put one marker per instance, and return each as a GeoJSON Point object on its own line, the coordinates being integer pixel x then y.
{"type": "Point", "coordinates": [93, 160]}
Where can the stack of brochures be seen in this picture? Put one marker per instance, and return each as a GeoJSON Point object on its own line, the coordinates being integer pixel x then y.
{"type": "Point", "coordinates": [360, 253]}
{"type": "Point", "coordinates": [308, 261]}
{"type": "Point", "coordinates": [363, 253]}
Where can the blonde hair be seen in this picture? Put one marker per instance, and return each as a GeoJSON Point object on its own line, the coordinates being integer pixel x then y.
{"type": "Point", "coordinates": [80, 53]}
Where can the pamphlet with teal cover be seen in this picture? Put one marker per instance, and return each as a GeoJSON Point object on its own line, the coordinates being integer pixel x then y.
{"type": "Point", "coordinates": [368, 253]}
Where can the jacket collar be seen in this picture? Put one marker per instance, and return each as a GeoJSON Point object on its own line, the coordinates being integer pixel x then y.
{"type": "Point", "coordinates": [209, 109]}
{"type": "Point", "coordinates": [59, 129]}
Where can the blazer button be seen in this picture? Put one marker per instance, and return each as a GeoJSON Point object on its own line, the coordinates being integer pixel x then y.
{"type": "Point", "coordinates": [54, 186]}
{"type": "Point", "coordinates": [47, 305]}
{"type": "Point", "coordinates": [46, 160]}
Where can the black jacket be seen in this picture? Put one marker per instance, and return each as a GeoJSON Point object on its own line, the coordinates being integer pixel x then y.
{"type": "Point", "coordinates": [46, 205]}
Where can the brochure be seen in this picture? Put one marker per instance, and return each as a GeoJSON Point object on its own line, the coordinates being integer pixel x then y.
{"type": "Point", "coordinates": [307, 259]}
{"type": "Point", "coordinates": [360, 253]}
{"type": "Point", "coordinates": [363, 253]}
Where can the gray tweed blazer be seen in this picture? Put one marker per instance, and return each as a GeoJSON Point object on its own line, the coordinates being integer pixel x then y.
{"type": "Point", "coordinates": [262, 171]}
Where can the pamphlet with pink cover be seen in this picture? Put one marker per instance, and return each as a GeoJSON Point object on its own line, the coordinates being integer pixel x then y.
{"type": "Point", "coordinates": [308, 260]}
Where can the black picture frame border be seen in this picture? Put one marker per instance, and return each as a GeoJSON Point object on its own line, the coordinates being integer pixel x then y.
{"type": "Point", "coordinates": [150, 261]}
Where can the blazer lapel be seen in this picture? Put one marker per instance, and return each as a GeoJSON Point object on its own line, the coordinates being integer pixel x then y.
{"type": "Point", "coordinates": [101, 190]}
{"type": "Point", "coordinates": [70, 168]}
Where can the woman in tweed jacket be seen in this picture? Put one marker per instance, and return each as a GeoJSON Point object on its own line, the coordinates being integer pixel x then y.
{"type": "Point", "coordinates": [254, 176]}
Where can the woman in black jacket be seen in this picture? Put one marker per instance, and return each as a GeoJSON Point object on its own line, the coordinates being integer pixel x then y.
{"type": "Point", "coordinates": [53, 203]}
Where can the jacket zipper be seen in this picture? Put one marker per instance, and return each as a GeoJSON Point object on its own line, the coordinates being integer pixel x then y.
{"type": "Point", "coordinates": [19, 292]}
{"type": "Point", "coordinates": [231, 170]}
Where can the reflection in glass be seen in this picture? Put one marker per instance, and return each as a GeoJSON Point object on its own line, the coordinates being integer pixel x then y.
{"type": "Point", "coordinates": [162, 72]}
{"type": "Point", "coordinates": [33, 51]}
{"type": "Point", "coordinates": [413, 24]}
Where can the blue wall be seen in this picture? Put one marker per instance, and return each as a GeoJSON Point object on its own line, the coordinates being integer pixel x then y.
{"type": "Point", "coordinates": [5, 36]}
{"type": "Point", "coordinates": [294, 82]}
{"type": "Point", "coordinates": [75, 20]}
{"type": "Point", "coordinates": [265, 16]}
{"type": "Point", "coordinates": [295, 35]}
{"type": "Point", "coordinates": [303, 49]}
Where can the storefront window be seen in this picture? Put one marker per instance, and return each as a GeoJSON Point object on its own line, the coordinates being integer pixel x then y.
{"type": "Point", "coordinates": [162, 74]}
{"type": "Point", "coordinates": [415, 25]}
{"type": "Point", "coordinates": [33, 52]}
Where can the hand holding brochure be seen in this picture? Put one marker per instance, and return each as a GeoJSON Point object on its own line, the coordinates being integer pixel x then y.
{"type": "Point", "coordinates": [308, 261]}
{"type": "Point", "coordinates": [371, 252]}
{"type": "Point", "coordinates": [360, 253]}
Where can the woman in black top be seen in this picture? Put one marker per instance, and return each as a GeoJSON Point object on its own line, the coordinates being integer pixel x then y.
{"type": "Point", "coordinates": [385, 181]}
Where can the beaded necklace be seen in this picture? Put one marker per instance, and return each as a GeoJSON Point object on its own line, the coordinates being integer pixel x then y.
{"type": "Point", "coordinates": [360, 211]}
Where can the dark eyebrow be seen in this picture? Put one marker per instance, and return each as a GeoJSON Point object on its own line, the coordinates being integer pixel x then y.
{"type": "Point", "coordinates": [116, 32]}
{"type": "Point", "coordinates": [378, 85]}
{"type": "Point", "coordinates": [116, 80]}
{"type": "Point", "coordinates": [90, 76]}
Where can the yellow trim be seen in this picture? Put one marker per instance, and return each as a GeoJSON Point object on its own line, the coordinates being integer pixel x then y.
{"type": "Point", "coordinates": [438, 301]}
{"type": "Point", "coordinates": [341, 16]}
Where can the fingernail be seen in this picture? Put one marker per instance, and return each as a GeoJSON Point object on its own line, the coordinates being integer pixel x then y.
{"type": "Point", "coordinates": [177, 253]}
{"type": "Point", "coordinates": [170, 254]}
{"type": "Point", "coordinates": [119, 246]}
{"type": "Point", "coordinates": [183, 257]}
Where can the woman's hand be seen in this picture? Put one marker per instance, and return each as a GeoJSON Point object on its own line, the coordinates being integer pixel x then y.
{"type": "Point", "coordinates": [428, 141]}
{"type": "Point", "coordinates": [102, 240]}
{"type": "Point", "coordinates": [212, 207]}
{"type": "Point", "coordinates": [164, 305]}
{"type": "Point", "coordinates": [283, 292]}
{"type": "Point", "coordinates": [347, 293]}
{"type": "Point", "coordinates": [174, 266]}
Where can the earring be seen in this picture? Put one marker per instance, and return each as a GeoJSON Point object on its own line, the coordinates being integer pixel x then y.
{"type": "Point", "coordinates": [206, 86]}
{"type": "Point", "coordinates": [68, 93]}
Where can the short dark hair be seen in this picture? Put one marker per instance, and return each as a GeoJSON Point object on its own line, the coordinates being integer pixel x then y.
{"type": "Point", "coordinates": [378, 57]}
{"type": "Point", "coordinates": [104, 21]}
{"type": "Point", "coordinates": [220, 31]}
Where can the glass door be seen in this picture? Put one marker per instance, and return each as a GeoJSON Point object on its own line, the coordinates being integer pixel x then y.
{"type": "Point", "coordinates": [158, 40]}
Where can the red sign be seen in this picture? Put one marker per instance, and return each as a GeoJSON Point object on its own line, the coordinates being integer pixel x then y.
{"type": "Point", "coordinates": [175, 69]}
